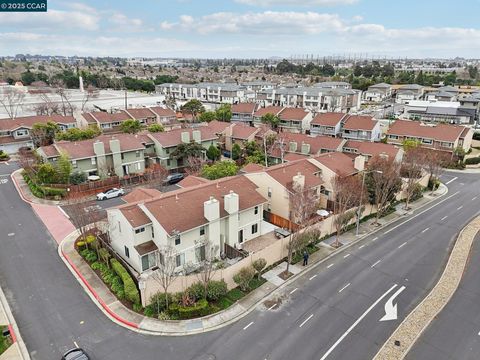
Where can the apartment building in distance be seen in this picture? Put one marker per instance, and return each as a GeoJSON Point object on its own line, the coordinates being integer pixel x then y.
{"type": "Point", "coordinates": [378, 93]}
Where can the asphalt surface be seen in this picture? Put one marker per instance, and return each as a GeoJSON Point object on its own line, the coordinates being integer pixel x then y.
{"type": "Point", "coordinates": [332, 312]}
{"type": "Point", "coordinates": [455, 332]}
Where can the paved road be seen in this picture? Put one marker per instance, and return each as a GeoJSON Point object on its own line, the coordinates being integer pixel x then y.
{"type": "Point", "coordinates": [455, 332]}
{"type": "Point", "coordinates": [312, 322]}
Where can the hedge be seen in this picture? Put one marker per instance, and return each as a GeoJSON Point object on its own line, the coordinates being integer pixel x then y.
{"type": "Point", "coordinates": [472, 161]}
{"type": "Point", "coordinates": [131, 291]}
{"type": "Point", "coordinates": [187, 312]}
{"type": "Point", "coordinates": [43, 191]}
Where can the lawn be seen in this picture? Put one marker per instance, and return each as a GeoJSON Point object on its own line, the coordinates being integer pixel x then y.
{"type": "Point", "coordinates": [4, 342]}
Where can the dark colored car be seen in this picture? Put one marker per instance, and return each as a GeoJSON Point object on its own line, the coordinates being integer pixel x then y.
{"type": "Point", "coordinates": [75, 354]}
{"type": "Point", "coordinates": [174, 178]}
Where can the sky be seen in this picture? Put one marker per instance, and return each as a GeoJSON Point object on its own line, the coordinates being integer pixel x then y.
{"type": "Point", "coordinates": [246, 28]}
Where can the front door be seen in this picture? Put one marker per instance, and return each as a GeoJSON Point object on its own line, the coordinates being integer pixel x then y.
{"type": "Point", "coordinates": [240, 236]}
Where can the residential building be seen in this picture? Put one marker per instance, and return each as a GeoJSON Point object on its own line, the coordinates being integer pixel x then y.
{"type": "Point", "coordinates": [243, 112]}
{"type": "Point", "coordinates": [107, 121]}
{"type": "Point", "coordinates": [144, 116]}
{"type": "Point", "coordinates": [373, 149]}
{"type": "Point", "coordinates": [295, 120]}
{"type": "Point", "coordinates": [17, 133]}
{"type": "Point", "coordinates": [230, 93]}
{"type": "Point", "coordinates": [239, 134]}
{"type": "Point", "coordinates": [257, 115]}
{"type": "Point", "coordinates": [328, 124]}
{"type": "Point", "coordinates": [227, 212]}
{"type": "Point", "coordinates": [432, 136]}
{"type": "Point", "coordinates": [361, 128]}
{"type": "Point", "coordinates": [119, 154]}
{"type": "Point", "coordinates": [406, 93]}
{"type": "Point", "coordinates": [166, 117]}
{"type": "Point", "coordinates": [451, 112]}
{"type": "Point", "coordinates": [378, 93]}
{"type": "Point", "coordinates": [333, 85]}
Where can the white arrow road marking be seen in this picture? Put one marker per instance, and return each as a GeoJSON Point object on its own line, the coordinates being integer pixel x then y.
{"type": "Point", "coordinates": [349, 330]}
{"type": "Point", "coordinates": [390, 309]}
{"type": "Point", "coordinates": [448, 182]}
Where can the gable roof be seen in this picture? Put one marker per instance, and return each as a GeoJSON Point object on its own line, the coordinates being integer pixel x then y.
{"type": "Point", "coordinates": [243, 132]}
{"type": "Point", "coordinates": [140, 113]}
{"type": "Point", "coordinates": [105, 117]}
{"type": "Point", "coordinates": [293, 114]}
{"type": "Point", "coordinates": [218, 126]}
{"type": "Point", "coordinates": [244, 108]}
{"type": "Point", "coordinates": [328, 119]}
{"type": "Point", "coordinates": [284, 173]}
{"type": "Point", "coordinates": [174, 137]}
{"type": "Point", "coordinates": [439, 132]}
{"type": "Point", "coordinates": [317, 143]}
{"type": "Point", "coordinates": [139, 194]}
{"type": "Point", "coordinates": [252, 167]}
{"type": "Point", "coordinates": [372, 149]}
{"type": "Point", "coordinates": [183, 209]}
{"type": "Point", "coordinates": [340, 163]}
{"type": "Point", "coordinates": [134, 215]}
{"type": "Point", "coordinates": [191, 180]}
{"type": "Point", "coordinates": [163, 112]}
{"type": "Point", "coordinates": [275, 110]}
{"type": "Point", "coordinates": [28, 121]}
{"type": "Point", "coordinates": [356, 122]}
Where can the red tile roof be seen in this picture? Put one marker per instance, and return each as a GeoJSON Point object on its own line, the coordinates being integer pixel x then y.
{"type": "Point", "coordinates": [243, 132]}
{"type": "Point", "coordinates": [244, 108]}
{"type": "Point", "coordinates": [293, 114]}
{"type": "Point", "coordinates": [317, 143]}
{"type": "Point", "coordinates": [163, 112]}
{"type": "Point", "coordinates": [372, 148]}
{"type": "Point", "coordinates": [134, 215]}
{"type": "Point", "coordinates": [183, 209]}
{"type": "Point", "coordinates": [28, 121]}
{"type": "Point", "coordinates": [140, 113]}
{"type": "Point", "coordinates": [275, 110]}
{"type": "Point", "coordinates": [328, 119]}
{"type": "Point", "coordinates": [439, 132]}
{"type": "Point", "coordinates": [141, 194]}
{"type": "Point", "coordinates": [284, 173]}
{"type": "Point", "coordinates": [105, 117]}
{"type": "Point", "coordinates": [218, 126]}
{"type": "Point", "coordinates": [90, 119]}
{"type": "Point", "coordinates": [356, 122]}
{"type": "Point", "coordinates": [251, 167]}
{"type": "Point", "coordinates": [294, 156]}
{"type": "Point", "coordinates": [340, 163]}
{"type": "Point", "coordinates": [174, 137]}
{"type": "Point", "coordinates": [190, 181]}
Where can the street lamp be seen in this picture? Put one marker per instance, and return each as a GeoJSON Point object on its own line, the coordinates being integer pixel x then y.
{"type": "Point", "coordinates": [361, 197]}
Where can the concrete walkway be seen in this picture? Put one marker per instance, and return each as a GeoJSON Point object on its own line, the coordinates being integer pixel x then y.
{"type": "Point", "coordinates": [117, 312]}
{"type": "Point", "coordinates": [417, 321]}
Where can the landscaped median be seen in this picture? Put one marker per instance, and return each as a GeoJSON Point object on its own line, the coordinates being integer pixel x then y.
{"type": "Point", "coordinates": [405, 336]}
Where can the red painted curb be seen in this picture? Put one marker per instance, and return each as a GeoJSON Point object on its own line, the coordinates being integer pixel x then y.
{"type": "Point", "coordinates": [12, 333]}
{"type": "Point", "coordinates": [99, 299]}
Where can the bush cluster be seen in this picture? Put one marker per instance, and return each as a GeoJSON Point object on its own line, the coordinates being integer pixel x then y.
{"type": "Point", "coordinates": [472, 161]}
{"type": "Point", "coordinates": [131, 291]}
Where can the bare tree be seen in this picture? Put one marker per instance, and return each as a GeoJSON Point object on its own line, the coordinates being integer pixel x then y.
{"type": "Point", "coordinates": [47, 106]}
{"type": "Point", "coordinates": [433, 162]}
{"type": "Point", "coordinates": [194, 165]}
{"type": "Point", "coordinates": [281, 144]}
{"type": "Point", "coordinates": [206, 254]}
{"type": "Point", "coordinates": [90, 93]}
{"type": "Point", "coordinates": [303, 203]}
{"type": "Point", "coordinates": [384, 180]}
{"type": "Point", "coordinates": [66, 106]}
{"type": "Point", "coordinates": [84, 216]}
{"type": "Point", "coordinates": [166, 273]}
{"type": "Point", "coordinates": [12, 101]}
{"type": "Point", "coordinates": [413, 164]}
{"type": "Point", "coordinates": [346, 191]}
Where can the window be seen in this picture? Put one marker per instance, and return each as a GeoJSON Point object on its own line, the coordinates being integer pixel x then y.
{"type": "Point", "coordinates": [180, 260]}
{"type": "Point", "coordinates": [393, 137]}
{"type": "Point", "coordinates": [94, 161]}
{"type": "Point", "coordinates": [426, 141]}
{"type": "Point", "coordinates": [153, 232]}
{"type": "Point", "coordinates": [74, 164]}
{"type": "Point", "coordinates": [201, 253]}
{"type": "Point", "coordinates": [269, 192]}
{"type": "Point", "coordinates": [240, 236]}
{"type": "Point", "coordinates": [127, 252]}
{"type": "Point", "coordinates": [168, 162]}
{"type": "Point", "coordinates": [254, 228]}
{"type": "Point", "coordinates": [119, 227]}
{"type": "Point", "coordinates": [177, 240]}
{"type": "Point", "coordinates": [122, 156]}
{"type": "Point", "coordinates": [148, 261]}
{"type": "Point", "coordinates": [137, 153]}
{"type": "Point", "coordinates": [255, 210]}
{"type": "Point", "coordinates": [202, 231]}
{"type": "Point", "coordinates": [139, 230]}
{"type": "Point", "coordinates": [167, 150]}
{"type": "Point", "coordinates": [138, 166]}
{"type": "Point", "coordinates": [23, 132]}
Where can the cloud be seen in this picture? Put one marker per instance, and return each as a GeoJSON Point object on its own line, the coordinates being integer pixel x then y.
{"type": "Point", "coordinates": [53, 19]}
{"type": "Point", "coordinates": [263, 23]}
{"type": "Point", "coordinates": [123, 20]}
{"type": "Point", "coordinates": [296, 2]}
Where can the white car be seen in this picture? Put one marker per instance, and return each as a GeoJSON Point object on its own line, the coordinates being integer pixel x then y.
{"type": "Point", "coordinates": [110, 193]}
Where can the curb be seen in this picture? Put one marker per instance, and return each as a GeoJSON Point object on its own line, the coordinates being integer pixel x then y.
{"type": "Point", "coordinates": [19, 189]}
{"type": "Point", "coordinates": [13, 327]}
{"type": "Point", "coordinates": [137, 327]}
{"type": "Point", "coordinates": [442, 306]}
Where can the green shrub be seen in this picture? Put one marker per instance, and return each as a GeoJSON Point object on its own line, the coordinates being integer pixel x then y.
{"type": "Point", "coordinates": [199, 309]}
{"type": "Point", "coordinates": [472, 160]}
{"type": "Point", "coordinates": [173, 308]}
{"type": "Point", "coordinates": [81, 245]}
{"type": "Point", "coordinates": [235, 294]}
{"type": "Point", "coordinates": [104, 255]}
{"type": "Point", "coordinates": [149, 311]}
{"type": "Point", "coordinates": [96, 265]}
{"type": "Point", "coordinates": [108, 276]}
{"type": "Point", "coordinates": [224, 303]}
{"type": "Point", "coordinates": [196, 291]}
{"type": "Point", "coordinates": [117, 284]}
{"type": "Point", "coordinates": [163, 316]}
{"type": "Point", "coordinates": [137, 307]}
{"type": "Point", "coordinates": [3, 155]}
{"type": "Point", "coordinates": [131, 291]}
{"type": "Point", "coordinates": [258, 265]}
{"type": "Point", "coordinates": [78, 177]}
{"type": "Point", "coordinates": [89, 255]}
{"type": "Point", "coordinates": [216, 290]}
{"type": "Point", "coordinates": [256, 282]}
{"type": "Point", "coordinates": [243, 277]}
{"type": "Point", "coordinates": [159, 303]}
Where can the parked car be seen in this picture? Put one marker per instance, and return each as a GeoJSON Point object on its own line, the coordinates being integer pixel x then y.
{"type": "Point", "coordinates": [110, 193]}
{"type": "Point", "coordinates": [174, 178]}
{"type": "Point", "coordinates": [75, 354]}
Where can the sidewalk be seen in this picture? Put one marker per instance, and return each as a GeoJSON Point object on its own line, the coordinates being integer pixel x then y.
{"type": "Point", "coordinates": [18, 350]}
{"type": "Point", "coordinates": [123, 316]}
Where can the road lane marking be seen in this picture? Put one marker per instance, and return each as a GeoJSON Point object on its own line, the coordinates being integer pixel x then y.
{"type": "Point", "coordinates": [444, 218]}
{"type": "Point", "coordinates": [448, 182]}
{"type": "Point", "coordinates": [76, 345]}
{"type": "Point", "coordinates": [291, 292]}
{"type": "Point", "coordinates": [346, 256]}
{"type": "Point", "coordinates": [361, 246]}
{"type": "Point", "coordinates": [246, 327]}
{"type": "Point", "coordinates": [425, 230]}
{"type": "Point", "coordinates": [329, 266]}
{"type": "Point", "coordinates": [313, 277]}
{"type": "Point", "coordinates": [376, 263]}
{"type": "Point", "coordinates": [303, 323]}
{"type": "Point", "coordinates": [345, 334]}
{"type": "Point", "coordinates": [474, 198]}
{"type": "Point", "coordinates": [420, 213]}
{"type": "Point", "coordinates": [343, 288]}
{"type": "Point", "coordinates": [405, 243]}
{"type": "Point", "coordinates": [271, 307]}
{"type": "Point", "coordinates": [375, 239]}
{"type": "Point", "coordinates": [460, 207]}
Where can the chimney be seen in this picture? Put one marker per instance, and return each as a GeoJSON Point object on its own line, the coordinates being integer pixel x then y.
{"type": "Point", "coordinates": [231, 202]}
{"type": "Point", "coordinates": [359, 163]}
{"type": "Point", "coordinates": [197, 136]}
{"type": "Point", "coordinates": [305, 148]}
{"type": "Point", "coordinates": [185, 137]}
{"type": "Point", "coordinates": [115, 145]}
{"type": "Point", "coordinates": [299, 180]}
{"type": "Point", "coordinates": [292, 146]}
{"type": "Point", "coordinates": [211, 209]}
{"type": "Point", "coordinates": [98, 148]}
